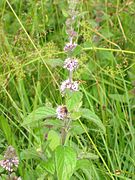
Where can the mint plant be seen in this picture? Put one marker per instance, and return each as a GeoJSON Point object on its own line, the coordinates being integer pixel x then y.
{"type": "Point", "coordinates": [10, 162]}
{"type": "Point", "coordinates": [64, 122]}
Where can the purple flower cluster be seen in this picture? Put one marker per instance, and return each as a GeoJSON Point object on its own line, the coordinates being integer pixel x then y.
{"type": "Point", "coordinates": [69, 84]}
{"type": "Point", "coordinates": [71, 33]}
{"type": "Point", "coordinates": [8, 164]}
{"type": "Point", "coordinates": [70, 63]}
{"type": "Point", "coordinates": [70, 47]}
{"type": "Point", "coordinates": [62, 112]}
{"type": "Point", "coordinates": [10, 160]}
{"type": "Point", "coordinates": [69, 26]}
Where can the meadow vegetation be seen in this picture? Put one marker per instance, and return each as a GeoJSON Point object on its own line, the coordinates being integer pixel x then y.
{"type": "Point", "coordinates": [100, 137]}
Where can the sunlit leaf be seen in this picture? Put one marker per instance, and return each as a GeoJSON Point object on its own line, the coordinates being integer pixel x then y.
{"type": "Point", "coordinates": [54, 139]}
{"type": "Point", "coordinates": [91, 116]}
{"type": "Point", "coordinates": [74, 101]}
{"type": "Point", "coordinates": [49, 165]}
{"type": "Point", "coordinates": [65, 160]}
{"type": "Point", "coordinates": [76, 128]}
{"type": "Point", "coordinates": [39, 114]}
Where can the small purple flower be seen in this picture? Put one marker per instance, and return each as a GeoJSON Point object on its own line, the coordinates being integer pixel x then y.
{"type": "Point", "coordinates": [8, 164]}
{"type": "Point", "coordinates": [70, 46]}
{"type": "Point", "coordinates": [71, 64]}
{"type": "Point", "coordinates": [61, 112]}
{"type": "Point", "coordinates": [65, 85]}
{"type": "Point", "coordinates": [75, 86]}
{"type": "Point", "coordinates": [71, 33]}
{"type": "Point", "coordinates": [10, 159]}
{"type": "Point", "coordinates": [69, 84]}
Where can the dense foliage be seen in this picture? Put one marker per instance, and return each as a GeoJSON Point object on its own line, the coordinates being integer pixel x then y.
{"type": "Point", "coordinates": [100, 139]}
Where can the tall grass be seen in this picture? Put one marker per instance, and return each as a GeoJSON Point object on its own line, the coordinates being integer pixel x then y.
{"type": "Point", "coordinates": [32, 37]}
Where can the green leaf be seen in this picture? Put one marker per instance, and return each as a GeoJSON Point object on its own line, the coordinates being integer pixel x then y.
{"type": "Point", "coordinates": [54, 62]}
{"type": "Point", "coordinates": [40, 171]}
{"type": "Point", "coordinates": [30, 153]}
{"type": "Point", "coordinates": [87, 114]}
{"type": "Point", "coordinates": [77, 51]}
{"type": "Point", "coordinates": [105, 57]}
{"type": "Point", "coordinates": [5, 126]}
{"type": "Point", "coordinates": [106, 33]}
{"type": "Point", "coordinates": [49, 165]}
{"type": "Point", "coordinates": [75, 115]}
{"type": "Point", "coordinates": [88, 168]}
{"type": "Point", "coordinates": [74, 101]}
{"type": "Point", "coordinates": [76, 128]}
{"type": "Point", "coordinates": [39, 114]}
{"type": "Point", "coordinates": [82, 163]}
{"type": "Point", "coordinates": [64, 12]}
{"type": "Point", "coordinates": [53, 122]}
{"type": "Point", "coordinates": [54, 139]}
{"type": "Point", "coordinates": [65, 160]}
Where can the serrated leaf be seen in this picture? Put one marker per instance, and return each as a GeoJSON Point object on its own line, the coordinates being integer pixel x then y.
{"type": "Point", "coordinates": [76, 128]}
{"type": "Point", "coordinates": [54, 139]}
{"type": "Point", "coordinates": [65, 160]}
{"type": "Point", "coordinates": [39, 114]}
{"type": "Point", "coordinates": [74, 101]}
{"type": "Point", "coordinates": [87, 114]}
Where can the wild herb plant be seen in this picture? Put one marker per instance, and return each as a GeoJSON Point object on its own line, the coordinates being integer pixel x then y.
{"type": "Point", "coordinates": [68, 114]}
{"type": "Point", "coordinates": [10, 162]}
